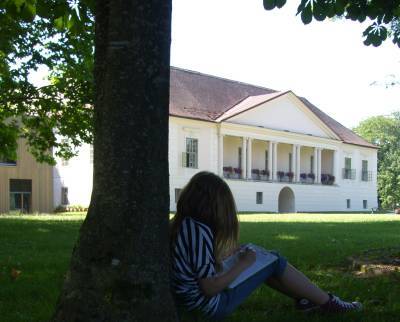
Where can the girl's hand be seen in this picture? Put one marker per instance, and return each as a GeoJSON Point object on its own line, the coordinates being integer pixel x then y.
{"type": "Point", "coordinates": [247, 257]}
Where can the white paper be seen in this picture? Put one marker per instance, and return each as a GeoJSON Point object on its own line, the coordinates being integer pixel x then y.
{"type": "Point", "coordinates": [263, 259]}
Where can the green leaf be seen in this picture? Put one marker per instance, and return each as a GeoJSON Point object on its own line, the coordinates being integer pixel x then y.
{"type": "Point", "coordinates": [28, 12]}
{"type": "Point", "coordinates": [60, 10]}
{"type": "Point", "coordinates": [318, 12]}
{"type": "Point", "coordinates": [280, 3]}
{"type": "Point", "coordinates": [353, 11]}
{"type": "Point", "coordinates": [42, 9]}
{"type": "Point", "coordinates": [306, 15]}
{"type": "Point", "coordinates": [301, 7]}
{"type": "Point", "coordinates": [340, 6]}
{"type": "Point", "coordinates": [59, 23]}
{"type": "Point", "coordinates": [269, 4]}
{"type": "Point", "coordinates": [90, 3]}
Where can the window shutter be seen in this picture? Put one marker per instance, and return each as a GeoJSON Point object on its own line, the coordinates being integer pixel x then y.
{"type": "Point", "coordinates": [184, 159]}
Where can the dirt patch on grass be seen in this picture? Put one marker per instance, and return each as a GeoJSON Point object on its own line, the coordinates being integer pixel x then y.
{"type": "Point", "coordinates": [375, 262]}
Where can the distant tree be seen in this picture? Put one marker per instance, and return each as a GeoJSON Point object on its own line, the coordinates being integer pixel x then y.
{"type": "Point", "coordinates": [384, 131]}
{"type": "Point", "coordinates": [384, 15]}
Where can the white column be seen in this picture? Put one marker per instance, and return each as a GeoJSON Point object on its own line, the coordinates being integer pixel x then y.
{"type": "Point", "coordinates": [319, 165]}
{"type": "Point", "coordinates": [298, 163]}
{"type": "Point", "coordinates": [336, 166]}
{"type": "Point", "coordinates": [356, 164]}
{"type": "Point", "coordinates": [294, 163]}
{"type": "Point", "coordinates": [244, 152]}
{"type": "Point", "coordinates": [315, 164]}
{"type": "Point", "coordinates": [221, 154]}
{"type": "Point", "coordinates": [275, 162]}
{"type": "Point", "coordinates": [249, 157]}
{"type": "Point", "coordinates": [270, 153]}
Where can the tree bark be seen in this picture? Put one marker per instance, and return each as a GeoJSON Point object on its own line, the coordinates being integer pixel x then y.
{"type": "Point", "coordinates": [119, 269]}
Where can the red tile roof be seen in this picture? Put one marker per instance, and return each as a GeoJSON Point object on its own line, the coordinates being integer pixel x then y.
{"type": "Point", "coordinates": [205, 97]}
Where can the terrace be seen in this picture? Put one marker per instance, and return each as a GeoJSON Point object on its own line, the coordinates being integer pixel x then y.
{"type": "Point", "coordinates": [272, 161]}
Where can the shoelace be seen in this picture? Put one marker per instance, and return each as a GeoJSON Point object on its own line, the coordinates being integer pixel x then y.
{"type": "Point", "coordinates": [342, 304]}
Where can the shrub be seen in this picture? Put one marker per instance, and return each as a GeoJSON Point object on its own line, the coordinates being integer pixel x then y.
{"type": "Point", "coordinates": [70, 208]}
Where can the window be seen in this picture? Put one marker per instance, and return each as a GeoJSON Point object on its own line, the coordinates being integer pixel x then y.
{"type": "Point", "coordinates": [64, 196]}
{"type": "Point", "coordinates": [347, 163]}
{"type": "Point", "coordinates": [191, 153]}
{"type": "Point", "coordinates": [290, 162]}
{"type": "Point", "coordinates": [91, 154]}
{"type": "Point", "coordinates": [348, 203]}
{"type": "Point", "coordinates": [348, 172]}
{"type": "Point", "coordinates": [177, 194]}
{"type": "Point", "coordinates": [312, 164]}
{"type": "Point", "coordinates": [365, 165]}
{"type": "Point", "coordinates": [365, 204]}
{"type": "Point", "coordinates": [266, 159]}
{"type": "Point", "coordinates": [365, 174]}
{"type": "Point", "coordinates": [259, 198]}
{"type": "Point", "coordinates": [20, 195]}
{"type": "Point", "coordinates": [240, 157]}
{"type": "Point", "coordinates": [8, 162]}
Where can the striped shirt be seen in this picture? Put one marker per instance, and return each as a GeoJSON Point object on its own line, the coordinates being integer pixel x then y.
{"type": "Point", "coordinates": [193, 259]}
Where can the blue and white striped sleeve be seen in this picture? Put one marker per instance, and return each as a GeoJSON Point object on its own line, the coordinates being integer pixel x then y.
{"type": "Point", "coordinates": [203, 250]}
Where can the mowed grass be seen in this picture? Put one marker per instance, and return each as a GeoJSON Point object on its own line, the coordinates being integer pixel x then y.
{"type": "Point", "coordinates": [318, 244]}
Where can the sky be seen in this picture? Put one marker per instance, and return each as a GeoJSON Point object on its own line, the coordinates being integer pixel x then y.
{"type": "Point", "coordinates": [326, 62]}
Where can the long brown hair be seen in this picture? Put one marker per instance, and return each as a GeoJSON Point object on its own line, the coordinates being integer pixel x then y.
{"type": "Point", "coordinates": [208, 199]}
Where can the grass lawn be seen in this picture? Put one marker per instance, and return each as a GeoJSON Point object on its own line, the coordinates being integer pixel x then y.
{"type": "Point", "coordinates": [318, 244]}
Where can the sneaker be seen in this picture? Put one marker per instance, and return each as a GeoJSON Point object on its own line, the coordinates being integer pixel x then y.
{"type": "Point", "coordinates": [305, 305]}
{"type": "Point", "coordinates": [336, 305]}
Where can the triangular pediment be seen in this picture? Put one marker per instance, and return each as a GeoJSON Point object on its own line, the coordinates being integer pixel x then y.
{"type": "Point", "coordinates": [282, 111]}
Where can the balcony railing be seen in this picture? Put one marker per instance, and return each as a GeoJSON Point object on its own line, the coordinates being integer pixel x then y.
{"type": "Point", "coordinates": [366, 175]}
{"type": "Point", "coordinates": [281, 176]}
{"type": "Point", "coordinates": [349, 174]}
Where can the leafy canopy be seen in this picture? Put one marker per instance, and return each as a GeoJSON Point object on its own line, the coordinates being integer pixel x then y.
{"type": "Point", "coordinates": [58, 35]}
{"type": "Point", "coordinates": [384, 131]}
{"type": "Point", "coordinates": [384, 15]}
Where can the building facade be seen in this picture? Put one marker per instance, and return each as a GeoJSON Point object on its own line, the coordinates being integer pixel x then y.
{"type": "Point", "coordinates": [25, 185]}
{"type": "Point", "coordinates": [277, 151]}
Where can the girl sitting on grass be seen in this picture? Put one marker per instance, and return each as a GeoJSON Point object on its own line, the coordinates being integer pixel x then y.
{"type": "Point", "coordinates": [204, 231]}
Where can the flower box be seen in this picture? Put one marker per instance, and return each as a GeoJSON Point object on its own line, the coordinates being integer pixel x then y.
{"type": "Point", "coordinates": [327, 179]}
{"type": "Point", "coordinates": [264, 175]}
{"type": "Point", "coordinates": [310, 177]}
{"type": "Point", "coordinates": [237, 173]}
{"type": "Point", "coordinates": [255, 174]}
{"type": "Point", "coordinates": [290, 176]}
{"type": "Point", "coordinates": [228, 171]}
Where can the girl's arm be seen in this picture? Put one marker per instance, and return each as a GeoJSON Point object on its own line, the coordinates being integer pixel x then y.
{"type": "Point", "coordinates": [211, 286]}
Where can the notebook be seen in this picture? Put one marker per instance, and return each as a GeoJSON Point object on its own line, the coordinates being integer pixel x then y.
{"type": "Point", "coordinates": [263, 259]}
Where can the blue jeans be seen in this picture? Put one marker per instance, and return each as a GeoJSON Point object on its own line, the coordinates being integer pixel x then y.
{"type": "Point", "coordinates": [232, 298]}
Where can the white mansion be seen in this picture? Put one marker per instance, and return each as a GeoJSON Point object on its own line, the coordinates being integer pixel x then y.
{"type": "Point", "coordinates": [277, 151]}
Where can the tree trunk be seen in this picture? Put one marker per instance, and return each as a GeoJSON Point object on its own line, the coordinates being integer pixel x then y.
{"type": "Point", "coordinates": [119, 269]}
